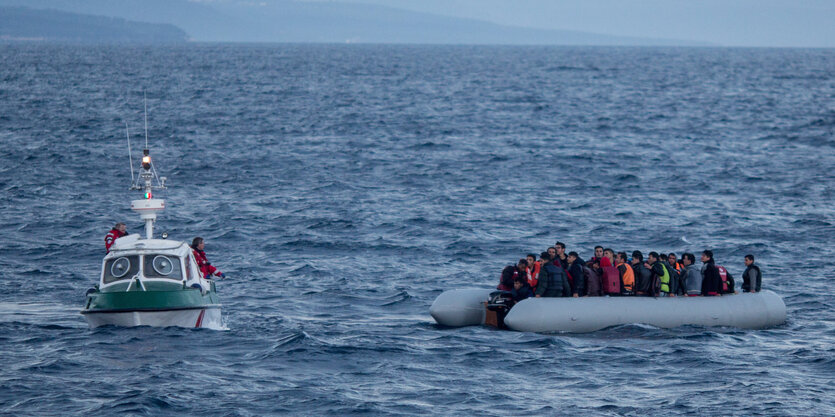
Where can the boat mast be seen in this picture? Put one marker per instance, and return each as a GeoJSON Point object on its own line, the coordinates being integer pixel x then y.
{"type": "Point", "coordinates": [148, 206]}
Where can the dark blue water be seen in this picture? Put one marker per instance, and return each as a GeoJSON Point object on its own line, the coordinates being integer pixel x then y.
{"type": "Point", "coordinates": [342, 188]}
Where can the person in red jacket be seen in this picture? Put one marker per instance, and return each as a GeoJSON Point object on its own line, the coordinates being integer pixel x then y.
{"type": "Point", "coordinates": [116, 232]}
{"type": "Point", "coordinates": [206, 268]}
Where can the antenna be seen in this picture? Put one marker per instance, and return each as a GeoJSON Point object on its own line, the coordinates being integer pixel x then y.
{"type": "Point", "coordinates": [130, 157]}
{"type": "Point", "coordinates": [145, 99]}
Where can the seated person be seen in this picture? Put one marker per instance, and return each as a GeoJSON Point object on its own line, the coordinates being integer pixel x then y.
{"type": "Point", "coordinates": [521, 290]}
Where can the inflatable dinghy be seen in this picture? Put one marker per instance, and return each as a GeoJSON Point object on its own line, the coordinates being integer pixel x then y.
{"type": "Point", "coordinates": [467, 307]}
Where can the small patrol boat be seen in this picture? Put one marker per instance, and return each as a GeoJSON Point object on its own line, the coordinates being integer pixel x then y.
{"type": "Point", "coordinates": [148, 281]}
{"type": "Point", "coordinates": [470, 307]}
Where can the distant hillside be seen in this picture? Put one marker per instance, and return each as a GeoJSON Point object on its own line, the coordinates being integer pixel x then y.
{"type": "Point", "coordinates": [325, 21]}
{"type": "Point", "coordinates": [20, 23]}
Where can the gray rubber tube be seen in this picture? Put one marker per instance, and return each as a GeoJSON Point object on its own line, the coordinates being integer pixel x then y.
{"type": "Point", "coordinates": [464, 307]}
{"type": "Point", "coordinates": [761, 310]}
{"type": "Point", "coordinates": [579, 315]}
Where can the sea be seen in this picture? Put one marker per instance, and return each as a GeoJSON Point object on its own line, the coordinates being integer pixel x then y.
{"type": "Point", "coordinates": [342, 188]}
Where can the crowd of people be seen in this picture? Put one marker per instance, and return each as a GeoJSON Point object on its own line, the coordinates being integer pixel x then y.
{"type": "Point", "coordinates": [560, 274]}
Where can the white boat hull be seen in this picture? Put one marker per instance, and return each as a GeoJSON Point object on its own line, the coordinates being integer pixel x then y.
{"type": "Point", "coordinates": [578, 315]}
{"type": "Point", "coordinates": [198, 318]}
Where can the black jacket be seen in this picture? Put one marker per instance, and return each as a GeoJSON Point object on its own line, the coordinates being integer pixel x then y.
{"type": "Point", "coordinates": [657, 270]}
{"type": "Point", "coordinates": [552, 282]}
{"type": "Point", "coordinates": [643, 278]}
{"type": "Point", "coordinates": [752, 272]}
{"type": "Point", "coordinates": [712, 281]}
{"type": "Point", "coordinates": [521, 293]}
{"type": "Point", "coordinates": [576, 271]}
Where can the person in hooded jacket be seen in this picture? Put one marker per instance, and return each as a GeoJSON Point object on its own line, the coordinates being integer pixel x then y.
{"type": "Point", "coordinates": [197, 246]}
{"type": "Point", "coordinates": [643, 276]}
{"type": "Point", "coordinates": [711, 280]}
{"type": "Point", "coordinates": [752, 278]}
{"type": "Point", "coordinates": [691, 274]}
{"type": "Point", "coordinates": [552, 279]}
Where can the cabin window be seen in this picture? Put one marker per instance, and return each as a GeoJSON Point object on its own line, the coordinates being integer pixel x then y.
{"type": "Point", "coordinates": [163, 266]}
{"type": "Point", "coordinates": [117, 269]}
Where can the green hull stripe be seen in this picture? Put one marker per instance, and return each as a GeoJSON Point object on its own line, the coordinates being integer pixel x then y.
{"type": "Point", "coordinates": [151, 300]}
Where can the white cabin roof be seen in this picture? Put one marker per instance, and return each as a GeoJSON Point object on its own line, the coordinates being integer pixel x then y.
{"type": "Point", "coordinates": [134, 244]}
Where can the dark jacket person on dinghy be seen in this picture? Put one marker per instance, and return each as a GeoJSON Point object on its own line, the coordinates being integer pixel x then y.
{"type": "Point", "coordinates": [552, 279]}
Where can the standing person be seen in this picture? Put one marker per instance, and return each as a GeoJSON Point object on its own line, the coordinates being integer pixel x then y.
{"type": "Point", "coordinates": [119, 230]}
{"type": "Point", "coordinates": [643, 276]}
{"type": "Point", "coordinates": [752, 278]}
{"type": "Point", "coordinates": [561, 256]}
{"type": "Point", "coordinates": [627, 275]}
{"type": "Point", "coordinates": [711, 280]}
{"type": "Point", "coordinates": [197, 246]}
{"type": "Point", "coordinates": [575, 269]}
{"type": "Point", "coordinates": [692, 275]}
{"type": "Point", "coordinates": [552, 280]}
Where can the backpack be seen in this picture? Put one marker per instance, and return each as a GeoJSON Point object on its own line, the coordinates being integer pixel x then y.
{"type": "Point", "coordinates": [592, 282]}
{"type": "Point", "coordinates": [727, 280]}
{"type": "Point", "coordinates": [611, 280]}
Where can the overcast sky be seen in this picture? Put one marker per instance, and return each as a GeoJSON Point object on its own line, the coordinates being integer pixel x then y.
{"type": "Point", "coordinates": [803, 23]}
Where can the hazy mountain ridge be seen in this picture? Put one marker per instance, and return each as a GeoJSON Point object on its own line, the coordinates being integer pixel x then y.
{"type": "Point", "coordinates": [327, 22]}
{"type": "Point", "coordinates": [21, 23]}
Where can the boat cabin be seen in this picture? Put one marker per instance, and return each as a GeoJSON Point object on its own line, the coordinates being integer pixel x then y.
{"type": "Point", "coordinates": [145, 263]}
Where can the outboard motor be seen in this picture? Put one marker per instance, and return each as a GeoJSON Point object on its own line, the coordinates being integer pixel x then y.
{"type": "Point", "coordinates": [499, 304]}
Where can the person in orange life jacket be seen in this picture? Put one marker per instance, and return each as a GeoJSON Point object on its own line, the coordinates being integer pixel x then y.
{"type": "Point", "coordinates": [119, 230]}
{"type": "Point", "coordinates": [627, 275]}
{"type": "Point", "coordinates": [533, 269]}
{"type": "Point", "coordinates": [561, 256]}
{"type": "Point", "coordinates": [521, 290]}
{"type": "Point", "coordinates": [657, 268]}
{"type": "Point", "coordinates": [197, 246]}
{"type": "Point", "coordinates": [711, 280]}
{"type": "Point", "coordinates": [643, 276]}
{"type": "Point", "coordinates": [673, 261]}
{"type": "Point", "coordinates": [575, 269]}
{"type": "Point", "coordinates": [594, 262]}
{"type": "Point", "coordinates": [692, 275]}
{"type": "Point", "coordinates": [752, 278]}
